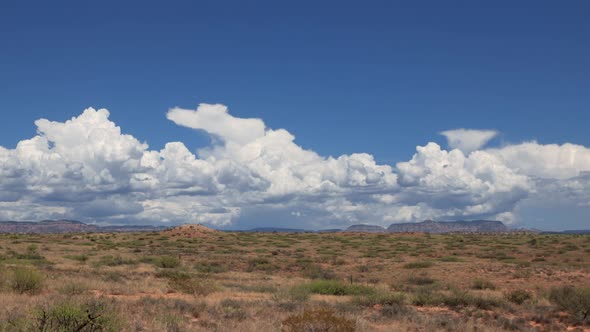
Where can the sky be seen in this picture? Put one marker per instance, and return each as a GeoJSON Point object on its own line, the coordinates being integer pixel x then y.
{"type": "Point", "coordinates": [299, 114]}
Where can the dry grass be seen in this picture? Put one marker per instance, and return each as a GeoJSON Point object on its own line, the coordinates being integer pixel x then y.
{"type": "Point", "coordinates": [268, 282]}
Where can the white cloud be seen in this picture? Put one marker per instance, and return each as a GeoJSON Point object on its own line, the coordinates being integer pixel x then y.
{"type": "Point", "coordinates": [87, 168]}
{"type": "Point", "coordinates": [468, 140]}
{"type": "Point", "coordinates": [215, 120]}
{"type": "Point", "coordinates": [550, 161]}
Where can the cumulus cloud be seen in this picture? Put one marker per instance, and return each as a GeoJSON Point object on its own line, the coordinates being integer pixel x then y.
{"type": "Point", "coordinates": [87, 168]}
{"type": "Point", "coordinates": [551, 161]}
{"type": "Point", "coordinates": [468, 140]}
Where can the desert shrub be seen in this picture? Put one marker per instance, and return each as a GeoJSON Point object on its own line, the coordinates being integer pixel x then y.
{"type": "Point", "coordinates": [290, 298]}
{"type": "Point", "coordinates": [334, 287]}
{"type": "Point", "coordinates": [30, 254]}
{"type": "Point", "coordinates": [421, 280]}
{"type": "Point", "coordinates": [418, 265]}
{"type": "Point", "coordinates": [426, 297]}
{"type": "Point", "coordinates": [115, 261]}
{"type": "Point", "coordinates": [191, 285]}
{"type": "Point", "coordinates": [15, 320]}
{"type": "Point", "coordinates": [210, 267]}
{"type": "Point", "coordinates": [518, 296]}
{"type": "Point", "coordinates": [459, 298]}
{"type": "Point", "coordinates": [260, 264]}
{"type": "Point", "coordinates": [172, 274]}
{"type": "Point", "coordinates": [381, 298]}
{"type": "Point", "coordinates": [233, 309]}
{"type": "Point", "coordinates": [450, 259]}
{"type": "Point", "coordinates": [73, 288]}
{"type": "Point", "coordinates": [318, 320]}
{"type": "Point", "coordinates": [26, 280]}
{"type": "Point", "coordinates": [454, 299]}
{"type": "Point", "coordinates": [112, 276]}
{"type": "Point", "coordinates": [394, 310]}
{"type": "Point", "coordinates": [315, 271]}
{"type": "Point", "coordinates": [167, 262]}
{"type": "Point", "coordinates": [91, 316]}
{"type": "Point", "coordinates": [575, 301]}
{"type": "Point", "coordinates": [482, 284]}
{"type": "Point", "coordinates": [80, 258]}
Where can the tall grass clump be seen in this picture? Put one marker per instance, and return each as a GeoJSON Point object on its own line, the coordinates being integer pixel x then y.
{"type": "Point", "coordinates": [26, 280]}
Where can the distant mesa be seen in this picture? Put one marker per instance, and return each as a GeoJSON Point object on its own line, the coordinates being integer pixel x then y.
{"type": "Point", "coordinates": [69, 226]}
{"type": "Point", "coordinates": [365, 228]}
{"type": "Point", "coordinates": [190, 231]}
{"type": "Point", "coordinates": [462, 226]}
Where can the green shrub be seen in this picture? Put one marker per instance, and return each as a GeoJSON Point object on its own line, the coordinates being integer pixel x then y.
{"type": "Point", "coordinates": [79, 258]}
{"type": "Point", "coordinates": [115, 261]}
{"type": "Point", "coordinates": [191, 285]}
{"type": "Point", "coordinates": [394, 310]}
{"type": "Point", "coordinates": [482, 284]}
{"type": "Point", "coordinates": [381, 298]}
{"type": "Point", "coordinates": [333, 287]}
{"type": "Point", "coordinates": [318, 320]}
{"type": "Point", "coordinates": [575, 301]}
{"type": "Point", "coordinates": [459, 298]}
{"type": "Point", "coordinates": [455, 299]}
{"type": "Point", "coordinates": [260, 264]}
{"type": "Point", "coordinates": [112, 276]}
{"type": "Point", "coordinates": [92, 316]}
{"type": "Point", "coordinates": [421, 280]}
{"type": "Point", "coordinates": [450, 259]}
{"type": "Point", "coordinates": [26, 280]}
{"type": "Point", "coordinates": [167, 262]}
{"type": "Point", "coordinates": [210, 267]}
{"type": "Point", "coordinates": [418, 265]}
{"type": "Point", "coordinates": [518, 296]}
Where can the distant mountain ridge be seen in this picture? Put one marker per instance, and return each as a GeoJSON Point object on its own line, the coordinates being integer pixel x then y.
{"type": "Point", "coordinates": [69, 226]}
{"type": "Point", "coordinates": [461, 226]}
{"type": "Point", "coordinates": [276, 230]}
{"type": "Point", "coordinates": [365, 228]}
{"type": "Point", "coordinates": [427, 226]}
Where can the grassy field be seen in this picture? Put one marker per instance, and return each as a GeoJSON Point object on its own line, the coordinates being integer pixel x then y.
{"type": "Point", "coordinates": [217, 281]}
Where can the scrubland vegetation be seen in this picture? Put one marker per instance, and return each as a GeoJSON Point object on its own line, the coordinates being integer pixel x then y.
{"type": "Point", "coordinates": [294, 282]}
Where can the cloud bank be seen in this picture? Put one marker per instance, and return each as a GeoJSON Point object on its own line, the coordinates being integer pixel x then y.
{"type": "Point", "coordinates": [86, 168]}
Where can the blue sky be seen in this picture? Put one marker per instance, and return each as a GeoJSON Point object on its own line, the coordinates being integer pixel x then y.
{"type": "Point", "coordinates": [378, 77]}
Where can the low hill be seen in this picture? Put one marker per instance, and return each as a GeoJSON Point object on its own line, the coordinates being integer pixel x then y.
{"type": "Point", "coordinates": [431, 226]}
{"type": "Point", "coordinates": [190, 231]}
